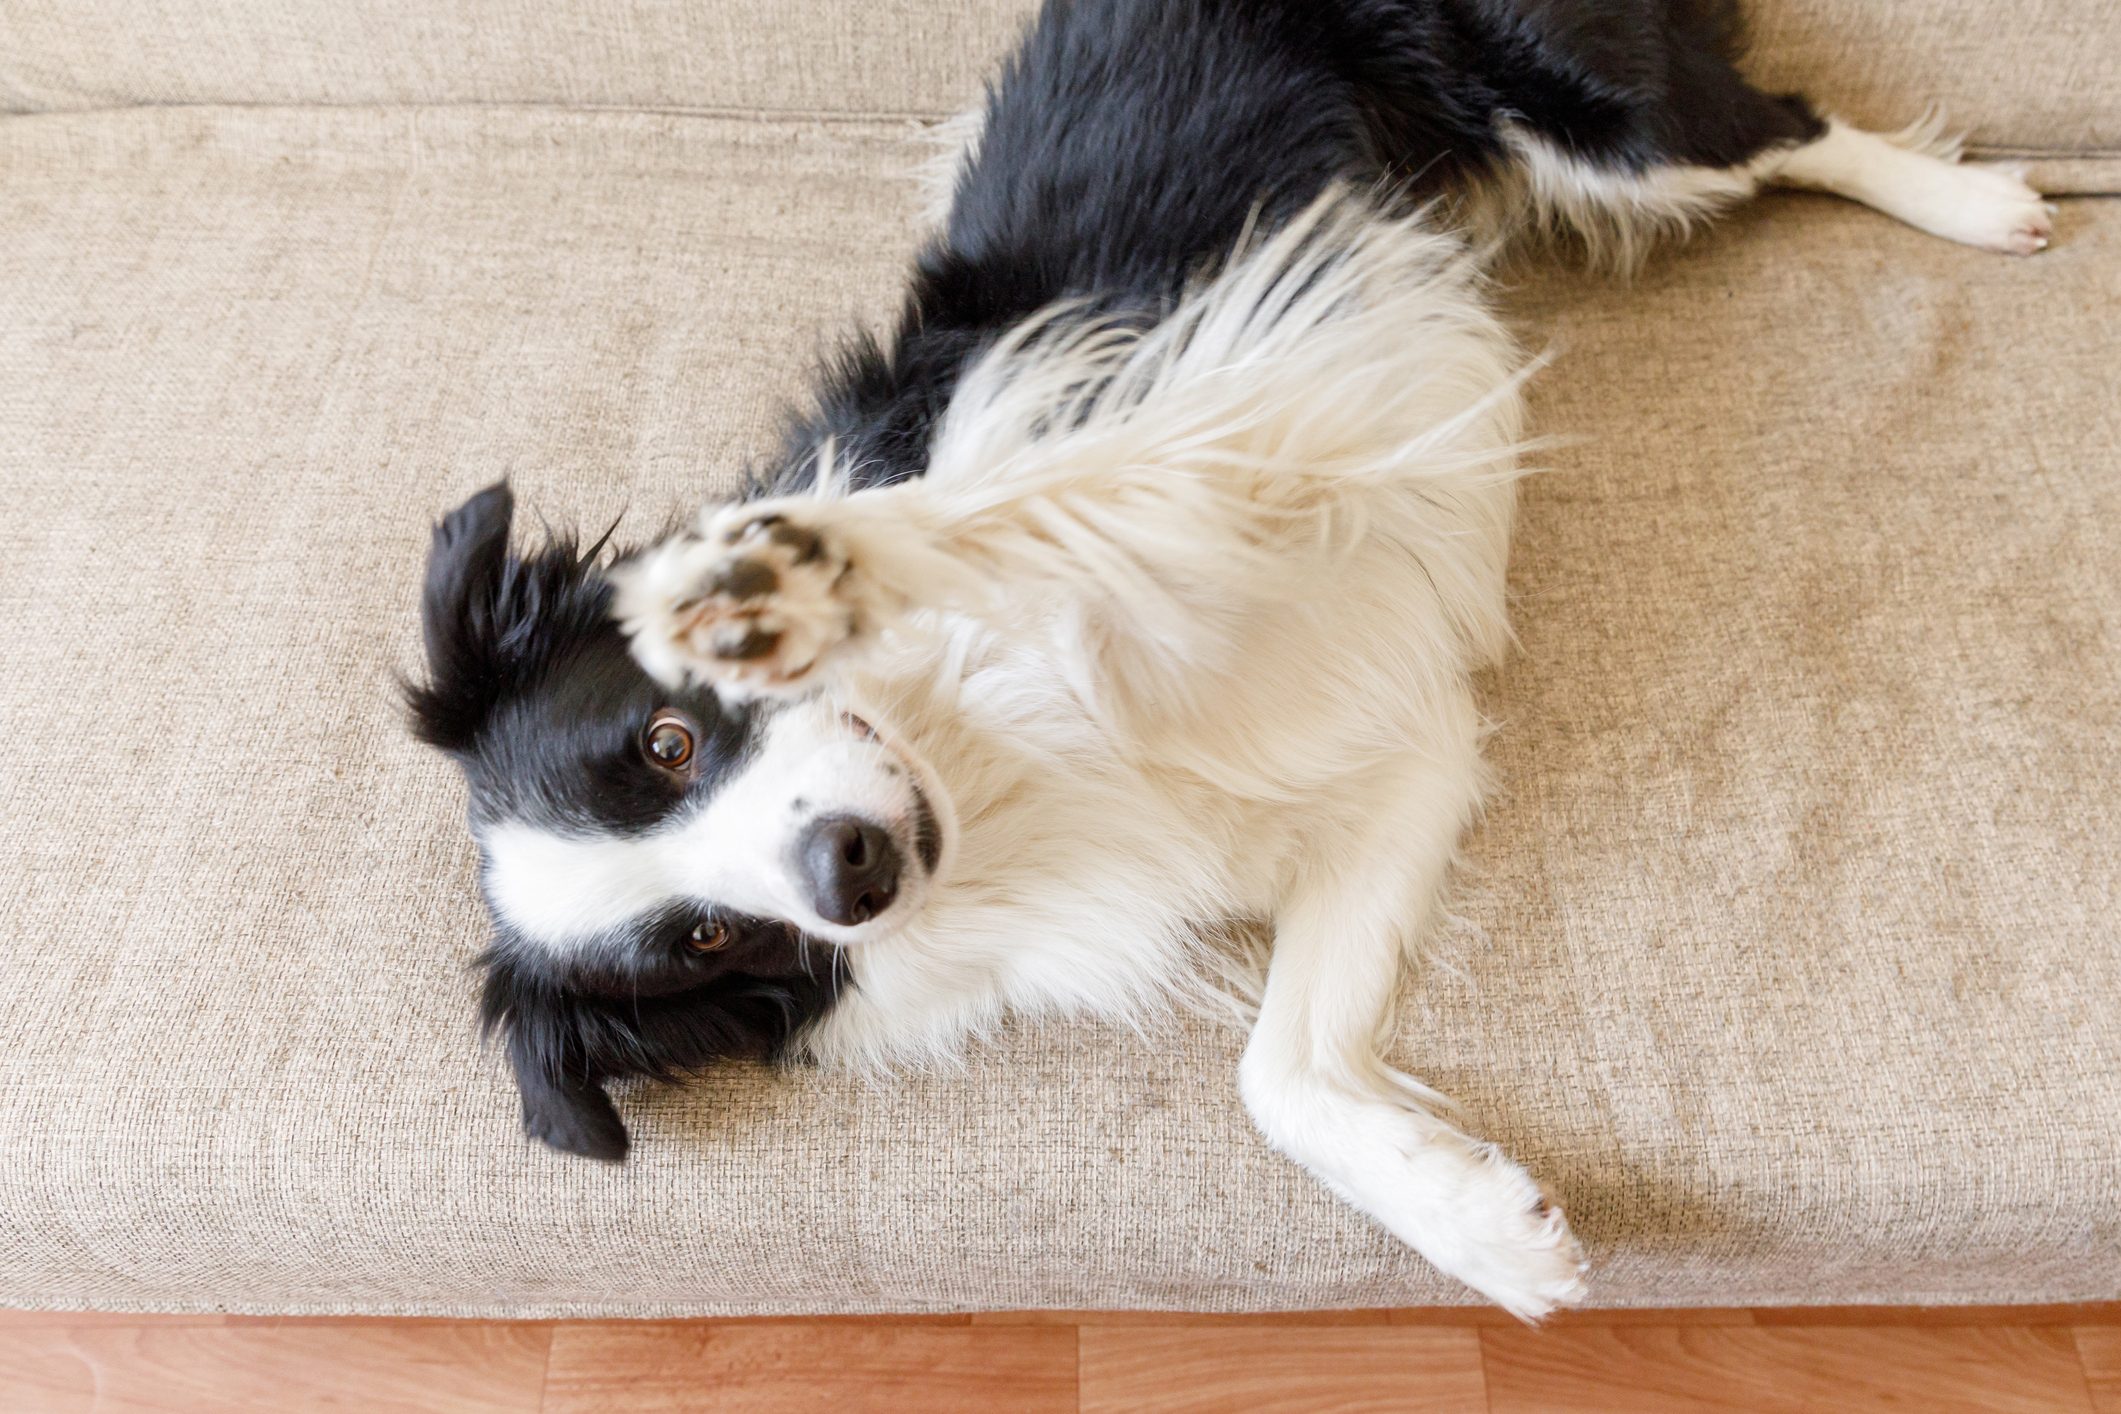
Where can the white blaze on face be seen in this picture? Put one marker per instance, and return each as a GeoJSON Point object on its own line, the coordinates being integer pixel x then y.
{"type": "Point", "coordinates": [736, 850]}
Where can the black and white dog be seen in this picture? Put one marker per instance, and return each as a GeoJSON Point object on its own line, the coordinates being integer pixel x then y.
{"type": "Point", "coordinates": [1130, 588]}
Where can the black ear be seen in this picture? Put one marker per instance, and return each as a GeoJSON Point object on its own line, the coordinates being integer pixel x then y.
{"type": "Point", "coordinates": [550, 1049]}
{"type": "Point", "coordinates": [462, 618]}
{"type": "Point", "coordinates": [564, 1044]}
{"type": "Point", "coordinates": [571, 1114]}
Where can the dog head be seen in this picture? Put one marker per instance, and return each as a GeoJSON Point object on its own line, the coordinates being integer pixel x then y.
{"type": "Point", "coordinates": [668, 874]}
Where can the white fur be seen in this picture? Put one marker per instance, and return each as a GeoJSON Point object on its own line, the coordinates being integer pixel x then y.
{"type": "Point", "coordinates": [953, 145]}
{"type": "Point", "coordinates": [1616, 215]}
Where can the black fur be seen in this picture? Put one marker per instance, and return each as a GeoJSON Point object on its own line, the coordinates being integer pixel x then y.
{"type": "Point", "coordinates": [567, 1035]}
{"type": "Point", "coordinates": [1128, 145]}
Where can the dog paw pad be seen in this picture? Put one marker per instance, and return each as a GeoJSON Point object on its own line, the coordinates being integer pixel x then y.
{"type": "Point", "coordinates": [752, 603]}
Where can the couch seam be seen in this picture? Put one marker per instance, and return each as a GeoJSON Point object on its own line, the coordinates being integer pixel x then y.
{"type": "Point", "coordinates": [764, 115]}
{"type": "Point", "coordinates": [741, 113]}
{"type": "Point", "coordinates": [880, 121]}
{"type": "Point", "coordinates": [675, 110]}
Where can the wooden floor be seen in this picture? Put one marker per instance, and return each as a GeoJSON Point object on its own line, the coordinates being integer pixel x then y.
{"type": "Point", "coordinates": [1933, 1361]}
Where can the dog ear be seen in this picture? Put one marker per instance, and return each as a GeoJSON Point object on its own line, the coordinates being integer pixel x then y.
{"type": "Point", "coordinates": [571, 1114]}
{"type": "Point", "coordinates": [462, 613]}
{"type": "Point", "coordinates": [560, 1081]}
{"type": "Point", "coordinates": [564, 1044]}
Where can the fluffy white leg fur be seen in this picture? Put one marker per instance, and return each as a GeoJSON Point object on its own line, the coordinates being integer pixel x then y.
{"type": "Point", "coordinates": [952, 145]}
{"type": "Point", "coordinates": [1916, 176]}
{"type": "Point", "coordinates": [1312, 1075]}
{"type": "Point", "coordinates": [1617, 216]}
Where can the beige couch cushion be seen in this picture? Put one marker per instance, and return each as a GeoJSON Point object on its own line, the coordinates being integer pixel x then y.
{"type": "Point", "coordinates": [1791, 953]}
{"type": "Point", "coordinates": [2034, 78]}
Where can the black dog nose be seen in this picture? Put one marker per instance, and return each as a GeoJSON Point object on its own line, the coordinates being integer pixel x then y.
{"type": "Point", "coordinates": [851, 866]}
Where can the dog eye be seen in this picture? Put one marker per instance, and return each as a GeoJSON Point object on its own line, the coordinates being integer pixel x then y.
{"type": "Point", "coordinates": [708, 937]}
{"type": "Point", "coordinates": [668, 742]}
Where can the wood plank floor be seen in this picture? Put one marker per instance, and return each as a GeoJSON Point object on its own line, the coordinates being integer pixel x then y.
{"type": "Point", "coordinates": [1939, 1361]}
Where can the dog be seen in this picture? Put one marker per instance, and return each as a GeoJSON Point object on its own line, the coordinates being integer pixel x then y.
{"type": "Point", "coordinates": [1129, 588]}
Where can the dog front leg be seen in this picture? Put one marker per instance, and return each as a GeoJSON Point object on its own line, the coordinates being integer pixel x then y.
{"type": "Point", "coordinates": [765, 596]}
{"type": "Point", "coordinates": [1315, 1082]}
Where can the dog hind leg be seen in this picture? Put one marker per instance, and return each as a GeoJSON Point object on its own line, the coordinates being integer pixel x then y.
{"type": "Point", "coordinates": [1916, 176]}
{"type": "Point", "coordinates": [1652, 149]}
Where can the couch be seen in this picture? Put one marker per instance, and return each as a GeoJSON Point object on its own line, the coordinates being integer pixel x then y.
{"type": "Point", "coordinates": [1789, 953]}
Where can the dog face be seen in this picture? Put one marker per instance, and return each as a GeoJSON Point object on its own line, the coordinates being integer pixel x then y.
{"type": "Point", "coordinates": [668, 874]}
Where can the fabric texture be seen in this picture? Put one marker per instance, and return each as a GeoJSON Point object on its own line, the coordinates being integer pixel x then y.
{"type": "Point", "coordinates": [1788, 952]}
{"type": "Point", "coordinates": [2037, 78]}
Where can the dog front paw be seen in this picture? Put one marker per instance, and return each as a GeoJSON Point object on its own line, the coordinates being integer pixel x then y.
{"type": "Point", "coordinates": [752, 603]}
{"type": "Point", "coordinates": [1478, 1216]}
{"type": "Point", "coordinates": [1526, 1261]}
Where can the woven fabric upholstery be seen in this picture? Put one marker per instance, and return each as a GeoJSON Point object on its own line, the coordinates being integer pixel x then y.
{"type": "Point", "coordinates": [1789, 952]}
{"type": "Point", "coordinates": [2031, 78]}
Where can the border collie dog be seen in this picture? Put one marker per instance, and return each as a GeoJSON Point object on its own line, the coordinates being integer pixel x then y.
{"type": "Point", "coordinates": [1129, 589]}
